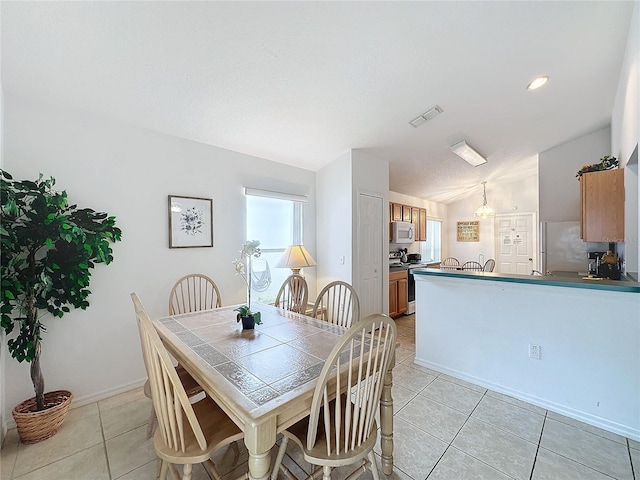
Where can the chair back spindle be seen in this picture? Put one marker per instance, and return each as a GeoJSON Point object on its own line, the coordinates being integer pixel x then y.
{"type": "Point", "coordinates": [192, 293]}
{"type": "Point", "coordinates": [355, 369]}
{"type": "Point", "coordinates": [472, 266]}
{"type": "Point", "coordinates": [489, 265]}
{"type": "Point", "coordinates": [293, 294]}
{"type": "Point", "coordinates": [337, 303]}
{"type": "Point", "coordinates": [450, 263]}
{"type": "Point", "coordinates": [176, 417]}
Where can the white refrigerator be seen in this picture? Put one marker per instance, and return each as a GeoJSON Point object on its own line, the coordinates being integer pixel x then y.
{"type": "Point", "coordinates": [561, 249]}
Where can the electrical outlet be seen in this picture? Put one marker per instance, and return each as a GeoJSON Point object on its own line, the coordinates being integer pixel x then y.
{"type": "Point", "coordinates": [534, 351]}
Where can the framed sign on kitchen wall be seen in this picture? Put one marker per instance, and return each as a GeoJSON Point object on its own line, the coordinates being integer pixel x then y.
{"type": "Point", "coordinates": [469, 231]}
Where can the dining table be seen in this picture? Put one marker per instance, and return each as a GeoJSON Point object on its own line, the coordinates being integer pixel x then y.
{"type": "Point", "coordinates": [263, 378]}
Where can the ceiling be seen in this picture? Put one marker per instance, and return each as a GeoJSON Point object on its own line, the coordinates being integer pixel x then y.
{"type": "Point", "coordinates": [303, 82]}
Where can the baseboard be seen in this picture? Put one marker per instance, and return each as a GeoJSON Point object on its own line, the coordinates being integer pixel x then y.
{"type": "Point", "coordinates": [593, 420]}
{"type": "Point", "coordinates": [87, 399]}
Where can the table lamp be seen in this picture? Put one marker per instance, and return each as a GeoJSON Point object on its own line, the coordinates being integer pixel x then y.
{"type": "Point", "coordinates": [296, 257]}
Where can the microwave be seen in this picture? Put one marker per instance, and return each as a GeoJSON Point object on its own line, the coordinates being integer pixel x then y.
{"type": "Point", "coordinates": [403, 232]}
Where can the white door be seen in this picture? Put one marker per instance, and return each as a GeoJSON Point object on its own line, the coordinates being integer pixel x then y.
{"type": "Point", "coordinates": [516, 240]}
{"type": "Point", "coordinates": [369, 253]}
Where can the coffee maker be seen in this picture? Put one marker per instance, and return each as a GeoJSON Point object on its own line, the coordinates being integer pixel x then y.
{"type": "Point", "coordinates": [607, 266]}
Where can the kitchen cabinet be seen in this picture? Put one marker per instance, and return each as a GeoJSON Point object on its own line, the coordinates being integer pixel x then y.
{"type": "Point", "coordinates": [406, 213]}
{"type": "Point", "coordinates": [395, 212]}
{"type": "Point", "coordinates": [398, 291]}
{"type": "Point", "coordinates": [419, 220]}
{"type": "Point", "coordinates": [602, 206]}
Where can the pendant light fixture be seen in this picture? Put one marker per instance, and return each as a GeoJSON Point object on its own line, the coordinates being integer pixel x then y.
{"type": "Point", "coordinates": [485, 210]}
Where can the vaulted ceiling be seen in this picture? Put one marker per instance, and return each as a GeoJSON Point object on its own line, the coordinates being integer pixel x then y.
{"type": "Point", "coordinates": [302, 82]}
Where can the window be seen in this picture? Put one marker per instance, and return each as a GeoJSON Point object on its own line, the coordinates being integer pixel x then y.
{"type": "Point", "coordinates": [275, 220]}
{"type": "Point", "coordinates": [432, 248]}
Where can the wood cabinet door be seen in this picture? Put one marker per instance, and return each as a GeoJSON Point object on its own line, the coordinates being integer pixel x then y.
{"type": "Point", "coordinates": [406, 213]}
{"type": "Point", "coordinates": [403, 292]}
{"type": "Point", "coordinates": [602, 212]}
{"type": "Point", "coordinates": [393, 298]}
{"type": "Point", "coordinates": [415, 219]}
{"type": "Point", "coordinates": [422, 230]}
{"type": "Point", "coordinates": [398, 292]}
{"type": "Point", "coordinates": [396, 212]}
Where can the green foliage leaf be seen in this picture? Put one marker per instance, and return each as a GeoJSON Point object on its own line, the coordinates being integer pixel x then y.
{"type": "Point", "coordinates": [48, 249]}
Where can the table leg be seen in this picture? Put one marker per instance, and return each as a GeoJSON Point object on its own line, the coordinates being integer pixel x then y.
{"type": "Point", "coordinates": [259, 440]}
{"type": "Point", "coordinates": [386, 423]}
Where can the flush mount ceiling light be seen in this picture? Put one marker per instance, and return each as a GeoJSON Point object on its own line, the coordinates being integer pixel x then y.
{"type": "Point", "coordinates": [426, 116]}
{"type": "Point", "coordinates": [468, 154]}
{"type": "Point", "coordinates": [537, 83]}
{"type": "Point", "coordinates": [485, 210]}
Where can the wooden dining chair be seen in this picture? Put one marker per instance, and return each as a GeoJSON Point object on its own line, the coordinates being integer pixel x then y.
{"type": "Point", "coordinates": [450, 263]}
{"type": "Point", "coordinates": [293, 294]}
{"type": "Point", "coordinates": [341, 429]}
{"type": "Point", "coordinates": [337, 303]}
{"type": "Point", "coordinates": [192, 293]}
{"type": "Point", "coordinates": [191, 387]}
{"type": "Point", "coordinates": [489, 265]}
{"type": "Point", "coordinates": [472, 266]}
{"type": "Point", "coordinates": [187, 433]}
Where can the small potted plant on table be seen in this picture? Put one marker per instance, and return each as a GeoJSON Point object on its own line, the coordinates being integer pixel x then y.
{"type": "Point", "coordinates": [48, 249]}
{"type": "Point", "coordinates": [250, 250]}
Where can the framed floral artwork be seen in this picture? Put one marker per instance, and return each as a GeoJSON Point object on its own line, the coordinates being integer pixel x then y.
{"type": "Point", "coordinates": [190, 222]}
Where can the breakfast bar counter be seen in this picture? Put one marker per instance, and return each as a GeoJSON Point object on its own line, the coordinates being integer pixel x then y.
{"type": "Point", "coordinates": [627, 284]}
{"type": "Point", "coordinates": [569, 345]}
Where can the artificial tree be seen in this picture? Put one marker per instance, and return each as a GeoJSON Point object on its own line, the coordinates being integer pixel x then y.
{"type": "Point", "coordinates": [48, 248]}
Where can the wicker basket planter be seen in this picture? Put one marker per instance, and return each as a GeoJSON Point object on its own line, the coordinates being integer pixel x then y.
{"type": "Point", "coordinates": [35, 426]}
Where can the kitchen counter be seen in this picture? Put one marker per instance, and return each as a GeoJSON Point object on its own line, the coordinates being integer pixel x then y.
{"type": "Point", "coordinates": [481, 327]}
{"type": "Point", "coordinates": [407, 266]}
{"type": "Point", "coordinates": [627, 285]}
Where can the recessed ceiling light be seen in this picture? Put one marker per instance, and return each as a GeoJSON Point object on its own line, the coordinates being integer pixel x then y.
{"type": "Point", "coordinates": [426, 116]}
{"type": "Point", "coordinates": [537, 82]}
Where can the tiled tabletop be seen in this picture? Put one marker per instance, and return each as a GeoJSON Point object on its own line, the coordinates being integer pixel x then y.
{"type": "Point", "coordinates": [284, 353]}
{"type": "Point", "coordinates": [264, 378]}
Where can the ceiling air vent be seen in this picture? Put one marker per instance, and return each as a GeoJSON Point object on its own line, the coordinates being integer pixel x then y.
{"type": "Point", "coordinates": [426, 116]}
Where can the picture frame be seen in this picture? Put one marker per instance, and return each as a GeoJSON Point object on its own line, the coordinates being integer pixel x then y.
{"type": "Point", "coordinates": [469, 231]}
{"type": "Point", "coordinates": [190, 222]}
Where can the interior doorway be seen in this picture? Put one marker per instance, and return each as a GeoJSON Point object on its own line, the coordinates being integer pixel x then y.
{"type": "Point", "coordinates": [516, 243]}
{"type": "Point", "coordinates": [370, 253]}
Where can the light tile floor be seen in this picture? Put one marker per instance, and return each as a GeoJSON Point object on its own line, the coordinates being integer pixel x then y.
{"type": "Point", "coordinates": [444, 429]}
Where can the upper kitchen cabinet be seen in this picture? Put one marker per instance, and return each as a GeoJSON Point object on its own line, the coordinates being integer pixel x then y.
{"type": "Point", "coordinates": [395, 212]}
{"type": "Point", "coordinates": [406, 213]}
{"type": "Point", "coordinates": [602, 206]}
{"type": "Point", "coordinates": [419, 220]}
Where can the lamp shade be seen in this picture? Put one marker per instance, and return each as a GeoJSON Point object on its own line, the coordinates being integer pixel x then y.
{"type": "Point", "coordinates": [296, 257]}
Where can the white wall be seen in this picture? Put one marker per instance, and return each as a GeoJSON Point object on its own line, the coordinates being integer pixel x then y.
{"type": "Point", "coordinates": [3, 354]}
{"type": "Point", "coordinates": [505, 198]}
{"type": "Point", "coordinates": [338, 186]}
{"type": "Point", "coordinates": [334, 207]}
{"type": "Point", "coordinates": [370, 175]}
{"type": "Point", "coordinates": [557, 167]}
{"type": "Point", "coordinates": [625, 136]}
{"type": "Point", "coordinates": [129, 172]}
